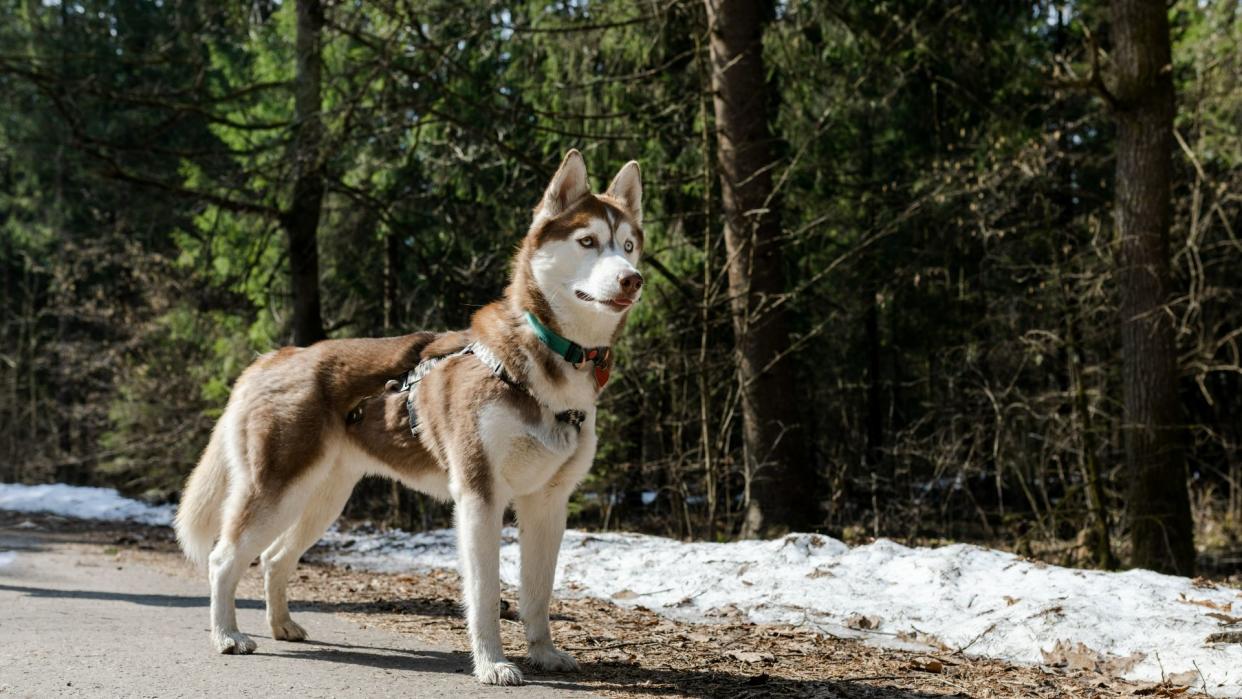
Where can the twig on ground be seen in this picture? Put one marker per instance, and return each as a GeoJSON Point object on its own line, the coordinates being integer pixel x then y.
{"type": "Point", "coordinates": [975, 640]}
{"type": "Point", "coordinates": [612, 646]}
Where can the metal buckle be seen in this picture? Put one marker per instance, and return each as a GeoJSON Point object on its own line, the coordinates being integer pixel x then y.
{"type": "Point", "coordinates": [574, 418]}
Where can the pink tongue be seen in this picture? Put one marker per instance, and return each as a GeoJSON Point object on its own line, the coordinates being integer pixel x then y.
{"type": "Point", "coordinates": [623, 302]}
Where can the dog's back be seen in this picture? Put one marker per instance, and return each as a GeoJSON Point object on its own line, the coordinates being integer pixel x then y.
{"type": "Point", "coordinates": [282, 412]}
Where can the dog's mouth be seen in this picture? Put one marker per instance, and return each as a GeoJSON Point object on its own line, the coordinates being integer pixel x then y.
{"type": "Point", "coordinates": [617, 304]}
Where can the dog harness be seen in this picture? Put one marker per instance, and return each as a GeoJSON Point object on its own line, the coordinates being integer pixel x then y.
{"type": "Point", "coordinates": [409, 384]}
{"type": "Point", "coordinates": [570, 351]}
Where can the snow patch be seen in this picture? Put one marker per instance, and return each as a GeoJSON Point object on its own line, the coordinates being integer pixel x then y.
{"type": "Point", "coordinates": [983, 602]}
{"type": "Point", "coordinates": [81, 502]}
{"type": "Point", "coordinates": [7, 558]}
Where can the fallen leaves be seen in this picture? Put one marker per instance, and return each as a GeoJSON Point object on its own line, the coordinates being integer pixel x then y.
{"type": "Point", "coordinates": [861, 622]}
{"type": "Point", "coordinates": [915, 636]}
{"type": "Point", "coordinates": [1224, 637]}
{"type": "Point", "coordinates": [1161, 690]}
{"type": "Point", "coordinates": [729, 612]}
{"type": "Point", "coordinates": [1077, 656]}
{"type": "Point", "coordinates": [696, 637]}
{"type": "Point", "coordinates": [1219, 615]}
{"type": "Point", "coordinates": [1218, 606]}
{"type": "Point", "coordinates": [1225, 619]}
{"type": "Point", "coordinates": [1184, 678]}
{"type": "Point", "coordinates": [933, 665]}
{"type": "Point", "coordinates": [750, 656]}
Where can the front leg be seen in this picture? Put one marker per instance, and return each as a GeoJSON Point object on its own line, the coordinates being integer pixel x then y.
{"type": "Point", "coordinates": [479, 518]}
{"type": "Point", "coordinates": [541, 524]}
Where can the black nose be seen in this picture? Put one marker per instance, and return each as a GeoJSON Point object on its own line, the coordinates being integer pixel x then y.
{"type": "Point", "coordinates": [631, 282]}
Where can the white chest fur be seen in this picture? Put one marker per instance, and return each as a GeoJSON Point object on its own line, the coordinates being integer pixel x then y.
{"type": "Point", "coordinates": [529, 456]}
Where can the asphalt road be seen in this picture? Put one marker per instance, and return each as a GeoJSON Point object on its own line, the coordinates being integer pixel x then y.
{"type": "Point", "coordinates": [75, 621]}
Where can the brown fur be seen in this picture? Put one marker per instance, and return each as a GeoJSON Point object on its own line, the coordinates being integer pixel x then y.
{"type": "Point", "coordinates": [384, 433]}
{"type": "Point", "coordinates": [447, 406]}
{"type": "Point", "coordinates": [300, 394]}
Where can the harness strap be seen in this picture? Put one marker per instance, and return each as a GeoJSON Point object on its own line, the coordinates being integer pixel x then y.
{"type": "Point", "coordinates": [410, 382]}
{"type": "Point", "coordinates": [489, 359]}
{"type": "Point", "coordinates": [480, 351]}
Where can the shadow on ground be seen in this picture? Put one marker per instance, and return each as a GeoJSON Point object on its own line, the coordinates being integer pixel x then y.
{"type": "Point", "coordinates": [595, 676]}
{"type": "Point", "coordinates": [415, 606]}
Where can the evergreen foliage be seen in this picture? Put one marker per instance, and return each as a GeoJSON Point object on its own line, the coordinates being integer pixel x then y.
{"type": "Point", "coordinates": [945, 178]}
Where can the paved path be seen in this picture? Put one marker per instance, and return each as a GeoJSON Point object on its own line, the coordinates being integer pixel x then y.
{"type": "Point", "coordinates": [77, 622]}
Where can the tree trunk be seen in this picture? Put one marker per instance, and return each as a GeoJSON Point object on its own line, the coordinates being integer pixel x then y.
{"type": "Point", "coordinates": [301, 221]}
{"type": "Point", "coordinates": [392, 272]}
{"type": "Point", "coordinates": [398, 497]}
{"type": "Point", "coordinates": [871, 323]}
{"type": "Point", "coordinates": [1161, 532]}
{"type": "Point", "coordinates": [781, 488]}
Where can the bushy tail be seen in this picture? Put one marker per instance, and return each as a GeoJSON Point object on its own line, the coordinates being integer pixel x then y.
{"type": "Point", "coordinates": [198, 515]}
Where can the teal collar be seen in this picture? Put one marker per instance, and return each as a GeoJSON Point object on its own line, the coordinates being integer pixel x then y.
{"type": "Point", "coordinates": [571, 351]}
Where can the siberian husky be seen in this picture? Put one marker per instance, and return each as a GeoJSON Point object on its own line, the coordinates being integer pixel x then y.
{"type": "Point", "coordinates": [501, 413]}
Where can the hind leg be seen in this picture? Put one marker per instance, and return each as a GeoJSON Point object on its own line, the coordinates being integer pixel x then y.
{"type": "Point", "coordinates": [251, 522]}
{"type": "Point", "coordinates": [281, 558]}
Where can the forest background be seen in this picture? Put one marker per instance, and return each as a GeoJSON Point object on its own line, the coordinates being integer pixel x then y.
{"type": "Point", "coordinates": [925, 270]}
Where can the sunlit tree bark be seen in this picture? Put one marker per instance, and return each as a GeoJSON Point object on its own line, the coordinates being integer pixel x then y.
{"type": "Point", "coordinates": [301, 220]}
{"type": "Point", "coordinates": [1161, 532]}
{"type": "Point", "coordinates": [781, 488]}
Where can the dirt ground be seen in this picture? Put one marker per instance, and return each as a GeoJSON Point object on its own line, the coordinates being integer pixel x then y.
{"type": "Point", "coordinates": [633, 652]}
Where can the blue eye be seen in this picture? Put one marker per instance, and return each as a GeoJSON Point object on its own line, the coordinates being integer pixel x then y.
{"type": "Point", "coordinates": [587, 242]}
{"type": "Point", "coordinates": [629, 246]}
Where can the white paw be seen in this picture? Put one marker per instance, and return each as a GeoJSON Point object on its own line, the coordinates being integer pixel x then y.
{"type": "Point", "coordinates": [504, 674]}
{"type": "Point", "coordinates": [288, 630]}
{"type": "Point", "coordinates": [546, 656]}
{"type": "Point", "coordinates": [233, 642]}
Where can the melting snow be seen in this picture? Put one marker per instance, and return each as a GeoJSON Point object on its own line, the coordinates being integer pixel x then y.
{"type": "Point", "coordinates": [986, 603]}
{"type": "Point", "coordinates": [1138, 624]}
{"type": "Point", "coordinates": [80, 502]}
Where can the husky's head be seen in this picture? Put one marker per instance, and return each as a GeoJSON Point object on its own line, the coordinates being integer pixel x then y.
{"type": "Point", "coordinates": [579, 262]}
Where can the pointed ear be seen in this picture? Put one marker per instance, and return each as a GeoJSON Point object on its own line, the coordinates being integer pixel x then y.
{"type": "Point", "coordinates": [627, 187]}
{"type": "Point", "coordinates": [568, 185]}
